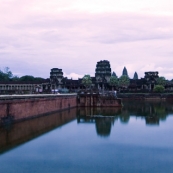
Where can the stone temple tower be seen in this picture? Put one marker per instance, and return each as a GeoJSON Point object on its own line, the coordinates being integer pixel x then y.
{"type": "Point", "coordinates": [102, 73]}
{"type": "Point", "coordinates": [56, 76]}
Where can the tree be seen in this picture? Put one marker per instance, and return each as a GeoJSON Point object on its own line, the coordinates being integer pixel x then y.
{"type": "Point", "coordinates": [6, 74]}
{"type": "Point", "coordinates": [15, 78]}
{"type": "Point", "coordinates": [125, 73]}
{"type": "Point", "coordinates": [161, 81]}
{"type": "Point", "coordinates": [39, 79]}
{"type": "Point", "coordinates": [135, 76]}
{"type": "Point", "coordinates": [86, 81]}
{"type": "Point", "coordinates": [159, 88]}
{"type": "Point", "coordinates": [124, 81]}
{"type": "Point", "coordinates": [113, 81]}
{"type": "Point", "coordinates": [27, 78]}
{"type": "Point", "coordinates": [3, 77]}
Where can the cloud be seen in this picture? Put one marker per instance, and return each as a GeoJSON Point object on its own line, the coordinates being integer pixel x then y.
{"type": "Point", "coordinates": [36, 36]}
{"type": "Point", "coordinates": [73, 76]}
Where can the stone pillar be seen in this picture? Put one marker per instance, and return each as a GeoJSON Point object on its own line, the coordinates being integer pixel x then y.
{"type": "Point", "coordinates": [103, 88]}
{"type": "Point", "coordinates": [91, 100]}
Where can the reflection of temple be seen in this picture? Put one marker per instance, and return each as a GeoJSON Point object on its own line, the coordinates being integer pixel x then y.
{"type": "Point", "coordinates": [152, 120]}
{"type": "Point", "coordinates": [103, 126]}
{"type": "Point", "coordinates": [152, 112]}
{"type": "Point", "coordinates": [102, 118]}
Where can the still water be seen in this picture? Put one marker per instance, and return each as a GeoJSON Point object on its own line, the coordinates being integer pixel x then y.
{"type": "Point", "coordinates": [136, 138]}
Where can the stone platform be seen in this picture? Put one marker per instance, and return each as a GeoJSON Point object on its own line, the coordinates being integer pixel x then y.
{"type": "Point", "coordinates": [19, 107]}
{"type": "Point", "coordinates": [98, 100]}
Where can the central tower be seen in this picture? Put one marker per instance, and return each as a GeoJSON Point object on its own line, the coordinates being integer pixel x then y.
{"type": "Point", "coordinates": [102, 73]}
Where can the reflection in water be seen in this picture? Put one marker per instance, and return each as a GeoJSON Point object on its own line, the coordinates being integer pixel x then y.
{"type": "Point", "coordinates": [133, 146]}
{"type": "Point", "coordinates": [104, 118]}
{"type": "Point", "coordinates": [153, 112]}
{"type": "Point", "coordinates": [124, 116]}
{"type": "Point", "coordinates": [103, 126]}
{"type": "Point", "coordinates": [12, 135]}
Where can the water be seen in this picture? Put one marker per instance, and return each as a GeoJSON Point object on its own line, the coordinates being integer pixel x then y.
{"type": "Point", "coordinates": [137, 138]}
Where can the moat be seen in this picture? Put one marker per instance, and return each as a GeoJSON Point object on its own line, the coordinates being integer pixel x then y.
{"type": "Point", "coordinates": [134, 138]}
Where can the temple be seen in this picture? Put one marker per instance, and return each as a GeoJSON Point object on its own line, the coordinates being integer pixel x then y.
{"type": "Point", "coordinates": [102, 74]}
{"type": "Point", "coordinates": [57, 82]}
{"type": "Point", "coordinates": [150, 79]}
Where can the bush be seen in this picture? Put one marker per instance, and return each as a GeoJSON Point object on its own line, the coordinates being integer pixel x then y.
{"type": "Point", "coordinates": [159, 88]}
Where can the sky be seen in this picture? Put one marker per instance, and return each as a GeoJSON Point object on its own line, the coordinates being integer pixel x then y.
{"type": "Point", "coordinates": [73, 35]}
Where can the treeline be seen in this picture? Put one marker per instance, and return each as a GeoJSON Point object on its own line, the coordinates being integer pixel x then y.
{"type": "Point", "coordinates": [6, 75]}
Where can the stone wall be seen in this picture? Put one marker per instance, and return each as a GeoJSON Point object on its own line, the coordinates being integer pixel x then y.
{"type": "Point", "coordinates": [97, 100]}
{"type": "Point", "coordinates": [145, 96]}
{"type": "Point", "coordinates": [25, 107]}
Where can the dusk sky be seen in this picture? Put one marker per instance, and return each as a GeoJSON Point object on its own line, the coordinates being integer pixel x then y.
{"type": "Point", "coordinates": [73, 35]}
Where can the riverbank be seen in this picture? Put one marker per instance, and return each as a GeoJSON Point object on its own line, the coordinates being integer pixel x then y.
{"type": "Point", "coordinates": [145, 96]}
{"type": "Point", "coordinates": [20, 107]}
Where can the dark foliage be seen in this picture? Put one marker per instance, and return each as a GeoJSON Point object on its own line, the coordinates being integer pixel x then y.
{"type": "Point", "coordinates": [6, 75]}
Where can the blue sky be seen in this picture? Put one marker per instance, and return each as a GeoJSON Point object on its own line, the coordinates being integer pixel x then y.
{"type": "Point", "coordinates": [73, 35]}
